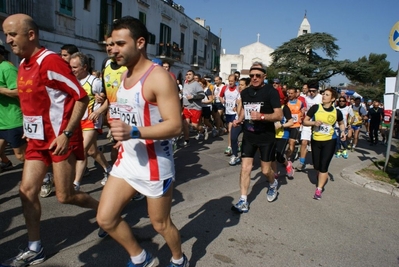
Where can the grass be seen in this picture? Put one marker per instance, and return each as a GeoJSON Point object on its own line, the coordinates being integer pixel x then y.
{"type": "Point", "coordinates": [376, 170]}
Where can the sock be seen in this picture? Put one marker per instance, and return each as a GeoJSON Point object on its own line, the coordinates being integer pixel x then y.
{"type": "Point", "coordinates": [244, 197]}
{"type": "Point", "coordinates": [321, 189]}
{"type": "Point", "coordinates": [76, 183]}
{"type": "Point", "coordinates": [35, 245]}
{"type": "Point", "coordinates": [179, 261]}
{"type": "Point", "coordinates": [302, 160]}
{"type": "Point", "coordinates": [139, 258]}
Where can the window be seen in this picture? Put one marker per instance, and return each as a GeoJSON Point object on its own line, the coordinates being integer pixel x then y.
{"type": "Point", "coordinates": [195, 44]}
{"type": "Point", "coordinates": [205, 48]}
{"type": "Point", "coordinates": [233, 68]}
{"type": "Point", "coordinates": [165, 34]}
{"type": "Point", "coordinates": [115, 9]}
{"type": "Point", "coordinates": [86, 5]}
{"type": "Point", "coordinates": [143, 17]}
{"type": "Point", "coordinates": [182, 37]}
{"type": "Point", "coordinates": [304, 31]}
{"type": "Point", "coordinates": [66, 7]}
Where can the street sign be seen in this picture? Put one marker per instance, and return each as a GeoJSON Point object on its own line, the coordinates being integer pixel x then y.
{"type": "Point", "coordinates": [394, 37]}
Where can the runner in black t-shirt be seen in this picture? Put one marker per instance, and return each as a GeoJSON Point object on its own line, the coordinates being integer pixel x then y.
{"type": "Point", "coordinates": [260, 109]}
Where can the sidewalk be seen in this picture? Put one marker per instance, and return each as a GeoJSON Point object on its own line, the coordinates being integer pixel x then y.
{"type": "Point", "coordinates": [376, 153]}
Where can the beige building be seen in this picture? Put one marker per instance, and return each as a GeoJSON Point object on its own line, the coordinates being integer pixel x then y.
{"type": "Point", "coordinates": [255, 52]}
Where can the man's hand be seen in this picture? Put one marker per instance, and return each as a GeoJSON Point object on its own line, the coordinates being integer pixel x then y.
{"type": "Point", "coordinates": [236, 123]}
{"type": "Point", "coordinates": [317, 123]}
{"type": "Point", "coordinates": [94, 116]}
{"type": "Point", "coordinates": [120, 130]}
{"type": "Point", "coordinates": [100, 98]}
{"type": "Point", "coordinates": [60, 145]}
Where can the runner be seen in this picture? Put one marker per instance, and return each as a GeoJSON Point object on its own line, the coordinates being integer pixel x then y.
{"type": "Point", "coordinates": [260, 109]}
{"type": "Point", "coordinates": [53, 128]}
{"type": "Point", "coordinates": [322, 118]}
{"type": "Point", "coordinates": [149, 117]}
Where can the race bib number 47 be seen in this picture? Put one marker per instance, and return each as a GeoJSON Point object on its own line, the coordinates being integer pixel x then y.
{"type": "Point", "coordinates": [33, 127]}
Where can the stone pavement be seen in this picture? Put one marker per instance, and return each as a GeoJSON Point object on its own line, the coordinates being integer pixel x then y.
{"type": "Point", "coordinates": [350, 226]}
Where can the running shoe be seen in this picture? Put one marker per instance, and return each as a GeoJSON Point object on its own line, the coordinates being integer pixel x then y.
{"type": "Point", "coordinates": [6, 166]}
{"type": "Point", "coordinates": [338, 154]}
{"type": "Point", "coordinates": [242, 206]}
{"type": "Point", "coordinates": [349, 146]}
{"type": "Point", "coordinates": [184, 264]}
{"type": "Point", "coordinates": [228, 151]}
{"type": "Point", "coordinates": [186, 142]}
{"type": "Point", "coordinates": [101, 233]}
{"type": "Point", "coordinates": [272, 192]}
{"type": "Point", "coordinates": [317, 194]}
{"type": "Point", "coordinates": [206, 134]}
{"type": "Point", "coordinates": [300, 167]}
{"type": "Point", "coordinates": [289, 169]}
{"type": "Point", "coordinates": [215, 132]}
{"type": "Point", "coordinates": [105, 178]}
{"type": "Point", "coordinates": [234, 160]}
{"type": "Point", "coordinates": [138, 197]}
{"type": "Point", "coordinates": [345, 154]}
{"type": "Point", "coordinates": [47, 188]}
{"type": "Point", "coordinates": [76, 187]}
{"type": "Point", "coordinates": [149, 261]}
{"type": "Point", "coordinates": [26, 258]}
{"type": "Point", "coordinates": [199, 136]}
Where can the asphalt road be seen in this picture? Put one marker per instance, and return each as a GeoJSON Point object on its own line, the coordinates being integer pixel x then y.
{"type": "Point", "coordinates": [350, 226]}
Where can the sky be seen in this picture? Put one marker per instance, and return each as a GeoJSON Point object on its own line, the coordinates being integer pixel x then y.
{"type": "Point", "coordinates": [360, 27]}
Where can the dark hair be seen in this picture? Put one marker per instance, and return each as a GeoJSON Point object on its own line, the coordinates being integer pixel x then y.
{"type": "Point", "coordinates": [84, 60]}
{"type": "Point", "coordinates": [333, 92]}
{"type": "Point", "coordinates": [135, 26]}
{"type": "Point", "coordinates": [246, 80]}
{"type": "Point", "coordinates": [191, 72]}
{"type": "Point", "coordinates": [203, 81]}
{"type": "Point", "coordinates": [237, 72]}
{"type": "Point", "coordinates": [70, 48]}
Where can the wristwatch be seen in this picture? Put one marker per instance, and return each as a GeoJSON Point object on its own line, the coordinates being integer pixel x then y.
{"type": "Point", "coordinates": [135, 133]}
{"type": "Point", "coordinates": [68, 134]}
{"type": "Point", "coordinates": [262, 117]}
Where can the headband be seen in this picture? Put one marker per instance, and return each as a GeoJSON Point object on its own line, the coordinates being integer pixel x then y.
{"type": "Point", "coordinates": [258, 68]}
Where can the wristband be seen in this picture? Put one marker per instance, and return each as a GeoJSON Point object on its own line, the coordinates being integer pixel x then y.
{"type": "Point", "coordinates": [135, 133]}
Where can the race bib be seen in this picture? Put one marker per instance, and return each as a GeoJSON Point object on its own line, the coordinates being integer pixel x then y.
{"type": "Point", "coordinates": [113, 111]}
{"type": "Point", "coordinates": [387, 118]}
{"type": "Point", "coordinates": [295, 117]}
{"type": "Point", "coordinates": [249, 108]}
{"type": "Point", "coordinates": [128, 115]}
{"type": "Point", "coordinates": [33, 127]}
{"type": "Point", "coordinates": [324, 129]}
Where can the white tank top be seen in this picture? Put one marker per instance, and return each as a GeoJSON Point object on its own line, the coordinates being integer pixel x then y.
{"type": "Point", "coordinates": [139, 158]}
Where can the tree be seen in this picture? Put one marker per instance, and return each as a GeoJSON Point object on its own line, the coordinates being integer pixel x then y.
{"type": "Point", "coordinates": [309, 58]}
{"type": "Point", "coordinates": [370, 71]}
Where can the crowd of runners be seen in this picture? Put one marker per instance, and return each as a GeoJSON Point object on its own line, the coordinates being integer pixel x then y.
{"type": "Point", "coordinates": [147, 122]}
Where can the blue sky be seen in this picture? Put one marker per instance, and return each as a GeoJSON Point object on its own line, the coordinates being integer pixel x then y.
{"type": "Point", "coordinates": [360, 27]}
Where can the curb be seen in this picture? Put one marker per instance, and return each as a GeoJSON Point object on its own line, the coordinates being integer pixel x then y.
{"type": "Point", "coordinates": [349, 174]}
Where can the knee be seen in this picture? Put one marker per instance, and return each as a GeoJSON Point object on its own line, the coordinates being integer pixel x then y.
{"type": "Point", "coordinates": [161, 225]}
{"type": "Point", "coordinates": [27, 194]}
{"type": "Point", "coordinates": [104, 221]}
{"type": "Point", "coordinates": [20, 157]}
{"type": "Point", "coordinates": [267, 171]}
{"type": "Point", "coordinates": [65, 198]}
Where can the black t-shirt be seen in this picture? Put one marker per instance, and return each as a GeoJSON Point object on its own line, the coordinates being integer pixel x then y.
{"type": "Point", "coordinates": [287, 113]}
{"type": "Point", "coordinates": [264, 100]}
{"type": "Point", "coordinates": [315, 108]}
{"type": "Point", "coordinates": [375, 115]}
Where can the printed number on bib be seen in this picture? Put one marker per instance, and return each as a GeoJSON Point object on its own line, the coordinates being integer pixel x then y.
{"type": "Point", "coordinates": [114, 111]}
{"type": "Point", "coordinates": [324, 129]}
{"type": "Point", "coordinates": [295, 117]}
{"type": "Point", "coordinates": [33, 127]}
{"type": "Point", "coordinates": [128, 115]}
{"type": "Point", "coordinates": [249, 108]}
{"type": "Point", "coordinates": [387, 118]}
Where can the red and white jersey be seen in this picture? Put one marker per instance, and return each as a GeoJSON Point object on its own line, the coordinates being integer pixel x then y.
{"type": "Point", "coordinates": [47, 91]}
{"type": "Point", "coordinates": [230, 95]}
{"type": "Point", "coordinates": [141, 158]}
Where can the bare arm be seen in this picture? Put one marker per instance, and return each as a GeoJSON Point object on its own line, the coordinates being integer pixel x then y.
{"type": "Point", "coordinates": [277, 115]}
{"type": "Point", "coordinates": [9, 92]}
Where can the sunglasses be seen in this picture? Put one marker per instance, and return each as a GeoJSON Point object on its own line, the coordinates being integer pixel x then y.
{"type": "Point", "coordinates": [255, 75]}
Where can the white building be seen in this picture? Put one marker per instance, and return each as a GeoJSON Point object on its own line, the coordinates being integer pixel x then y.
{"type": "Point", "coordinates": [255, 52]}
{"type": "Point", "coordinates": [174, 37]}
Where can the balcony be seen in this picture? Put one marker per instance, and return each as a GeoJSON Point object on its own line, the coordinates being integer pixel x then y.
{"type": "Point", "coordinates": [198, 61]}
{"type": "Point", "coordinates": [169, 51]}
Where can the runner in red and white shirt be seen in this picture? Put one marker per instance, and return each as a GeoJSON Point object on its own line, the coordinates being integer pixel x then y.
{"type": "Point", "coordinates": [52, 103]}
{"type": "Point", "coordinates": [230, 98]}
